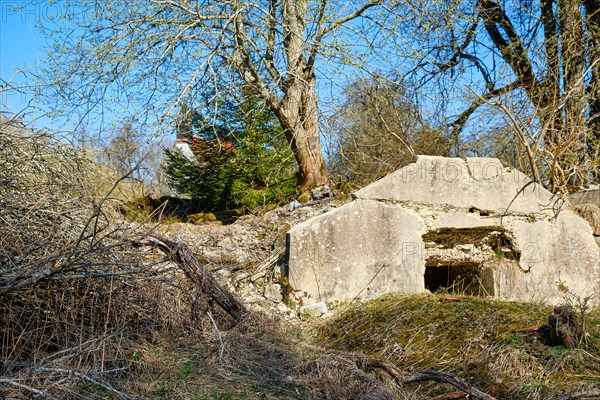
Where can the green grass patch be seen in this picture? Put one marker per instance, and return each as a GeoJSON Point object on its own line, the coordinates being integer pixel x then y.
{"type": "Point", "coordinates": [475, 338]}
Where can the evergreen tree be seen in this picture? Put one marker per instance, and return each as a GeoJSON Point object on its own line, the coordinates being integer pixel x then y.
{"type": "Point", "coordinates": [241, 158]}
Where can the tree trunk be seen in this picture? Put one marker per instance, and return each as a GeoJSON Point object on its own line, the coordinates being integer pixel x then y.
{"type": "Point", "coordinates": [299, 119]}
{"type": "Point", "coordinates": [573, 56]}
{"type": "Point", "coordinates": [572, 136]}
{"type": "Point", "coordinates": [592, 10]}
{"type": "Point", "coordinates": [558, 95]}
{"type": "Point", "coordinates": [296, 110]}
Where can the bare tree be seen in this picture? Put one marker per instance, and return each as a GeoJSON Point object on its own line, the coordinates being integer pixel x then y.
{"type": "Point", "coordinates": [379, 129]}
{"type": "Point", "coordinates": [159, 53]}
{"type": "Point", "coordinates": [537, 61]}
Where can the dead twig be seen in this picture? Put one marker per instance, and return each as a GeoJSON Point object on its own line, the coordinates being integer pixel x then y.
{"type": "Point", "coordinates": [402, 378]}
{"type": "Point", "coordinates": [219, 337]}
{"type": "Point", "coordinates": [588, 394]}
{"type": "Point", "coordinates": [196, 272]}
{"type": "Point", "coordinates": [451, 396]}
{"type": "Point", "coordinates": [28, 388]}
{"type": "Point", "coordinates": [86, 378]}
{"type": "Point", "coordinates": [455, 381]}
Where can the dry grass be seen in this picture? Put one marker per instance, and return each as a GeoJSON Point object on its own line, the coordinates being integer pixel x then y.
{"type": "Point", "coordinates": [73, 290]}
{"type": "Point", "coordinates": [473, 337]}
{"type": "Point", "coordinates": [263, 358]}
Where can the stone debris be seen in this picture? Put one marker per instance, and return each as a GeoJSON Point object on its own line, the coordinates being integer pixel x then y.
{"type": "Point", "coordinates": [247, 255]}
{"type": "Point", "coordinates": [314, 310]}
{"type": "Point", "coordinates": [273, 292]}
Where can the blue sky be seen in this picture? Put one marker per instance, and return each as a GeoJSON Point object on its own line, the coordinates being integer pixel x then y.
{"type": "Point", "coordinates": [21, 47]}
{"type": "Point", "coordinates": [22, 52]}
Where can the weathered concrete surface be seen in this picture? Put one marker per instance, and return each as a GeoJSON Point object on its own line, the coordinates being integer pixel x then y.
{"type": "Point", "coordinates": [475, 182]}
{"type": "Point", "coordinates": [587, 205]}
{"type": "Point", "coordinates": [346, 254]}
{"type": "Point", "coordinates": [585, 197]}
{"type": "Point", "coordinates": [449, 216]}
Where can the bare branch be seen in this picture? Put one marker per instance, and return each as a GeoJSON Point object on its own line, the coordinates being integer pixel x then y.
{"type": "Point", "coordinates": [31, 389]}
{"type": "Point", "coordinates": [88, 378]}
{"type": "Point", "coordinates": [458, 124]}
{"type": "Point", "coordinates": [455, 381]}
{"type": "Point", "coordinates": [336, 24]}
{"type": "Point", "coordinates": [323, 31]}
{"type": "Point", "coordinates": [513, 51]}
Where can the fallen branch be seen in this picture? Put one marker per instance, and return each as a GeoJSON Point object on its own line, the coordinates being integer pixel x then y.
{"type": "Point", "coordinates": [265, 266]}
{"type": "Point", "coordinates": [196, 272]}
{"type": "Point", "coordinates": [88, 378]}
{"type": "Point", "coordinates": [402, 378]}
{"type": "Point", "coordinates": [451, 396]}
{"type": "Point", "coordinates": [316, 369]}
{"type": "Point", "coordinates": [6, 381]}
{"type": "Point", "coordinates": [448, 378]}
{"type": "Point", "coordinates": [589, 394]}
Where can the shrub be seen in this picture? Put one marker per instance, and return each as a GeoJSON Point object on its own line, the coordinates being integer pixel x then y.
{"type": "Point", "coordinates": [377, 130]}
{"type": "Point", "coordinates": [72, 287]}
{"type": "Point", "coordinates": [241, 159]}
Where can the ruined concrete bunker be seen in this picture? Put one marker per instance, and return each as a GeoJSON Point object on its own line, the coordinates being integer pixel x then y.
{"type": "Point", "coordinates": [468, 225]}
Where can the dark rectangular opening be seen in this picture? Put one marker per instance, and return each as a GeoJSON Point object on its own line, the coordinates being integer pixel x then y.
{"type": "Point", "coordinates": [462, 279]}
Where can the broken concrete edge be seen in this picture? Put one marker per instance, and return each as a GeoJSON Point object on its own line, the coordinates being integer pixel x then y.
{"type": "Point", "coordinates": [433, 178]}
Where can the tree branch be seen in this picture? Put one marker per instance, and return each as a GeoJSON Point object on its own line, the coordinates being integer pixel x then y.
{"type": "Point", "coordinates": [356, 14]}
{"type": "Point", "coordinates": [334, 25]}
{"type": "Point", "coordinates": [403, 378]}
{"type": "Point", "coordinates": [243, 65]}
{"type": "Point", "coordinates": [453, 61]}
{"type": "Point", "coordinates": [513, 51]}
{"type": "Point", "coordinates": [196, 272]}
{"type": "Point", "coordinates": [31, 389]}
{"type": "Point", "coordinates": [446, 377]}
{"type": "Point", "coordinates": [458, 124]}
{"type": "Point", "coordinates": [270, 49]}
{"type": "Point", "coordinates": [88, 378]}
{"type": "Point", "coordinates": [589, 394]}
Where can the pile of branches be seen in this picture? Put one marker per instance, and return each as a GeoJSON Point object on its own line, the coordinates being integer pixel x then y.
{"type": "Point", "coordinates": [72, 287]}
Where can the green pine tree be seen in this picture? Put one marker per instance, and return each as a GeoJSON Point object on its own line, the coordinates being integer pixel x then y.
{"type": "Point", "coordinates": [241, 159]}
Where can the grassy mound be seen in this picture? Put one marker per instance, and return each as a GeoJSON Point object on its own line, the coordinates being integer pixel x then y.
{"type": "Point", "coordinates": [475, 338]}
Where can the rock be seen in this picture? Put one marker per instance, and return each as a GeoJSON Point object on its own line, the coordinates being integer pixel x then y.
{"type": "Point", "coordinates": [470, 224]}
{"type": "Point", "coordinates": [314, 310]}
{"type": "Point", "coordinates": [321, 192]}
{"type": "Point", "coordinates": [244, 290]}
{"type": "Point", "coordinates": [293, 205]}
{"type": "Point", "coordinates": [273, 292]}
